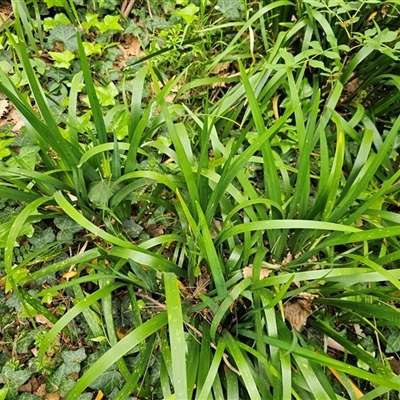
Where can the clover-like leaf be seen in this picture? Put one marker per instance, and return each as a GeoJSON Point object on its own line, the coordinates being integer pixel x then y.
{"type": "Point", "coordinates": [67, 228]}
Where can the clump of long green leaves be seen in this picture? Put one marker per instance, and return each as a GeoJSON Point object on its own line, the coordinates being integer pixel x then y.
{"type": "Point", "coordinates": [300, 184]}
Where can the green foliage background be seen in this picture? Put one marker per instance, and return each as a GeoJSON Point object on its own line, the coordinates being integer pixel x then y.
{"type": "Point", "coordinates": [212, 217]}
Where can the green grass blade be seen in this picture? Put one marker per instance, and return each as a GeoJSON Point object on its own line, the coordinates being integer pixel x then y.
{"type": "Point", "coordinates": [245, 371]}
{"type": "Point", "coordinates": [213, 260]}
{"type": "Point", "coordinates": [283, 224]}
{"type": "Point", "coordinates": [92, 96]}
{"type": "Point", "coordinates": [325, 360]}
{"type": "Point", "coordinates": [230, 171]}
{"type": "Point", "coordinates": [70, 315]}
{"type": "Point", "coordinates": [116, 352]}
{"type": "Point", "coordinates": [176, 336]}
{"type": "Point", "coordinates": [212, 372]}
{"type": "Point", "coordinates": [232, 296]}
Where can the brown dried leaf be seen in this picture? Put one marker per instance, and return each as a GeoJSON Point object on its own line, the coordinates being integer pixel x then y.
{"type": "Point", "coordinates": [395, 364]}
{"type": "Point", "coordinates": [287, 259]}
{"type": "Point", "coordinates": [221, 67]}
{"type": "Point", "coordinates": [307, 296]}
{"type": "Point", "coordinates": [74, 376]}
{"type": "Point", "coordinates": [4, 107]}
{"type": "Point", "coordinates": [248, 272]}
{"type": "Point", "coordinates": [333, 344]}
{"type": "Point", "coordinates": [131, 47]}
{"type": "Point", "coordinates": [52, 396]}
{"type": "Point", "coordinates": [41, 391]}
{"type": "Point", "coordinates": [26, 388]}
{"type": "Point", "coordinates": [296, 314]}
{"type": "Point", "coordinates": [41, 319]}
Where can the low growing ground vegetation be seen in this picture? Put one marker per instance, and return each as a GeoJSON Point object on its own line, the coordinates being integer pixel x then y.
{"type": "Point", "coordinates": [199, 199]}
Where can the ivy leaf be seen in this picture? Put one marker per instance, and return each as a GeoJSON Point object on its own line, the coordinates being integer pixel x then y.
{"type": "Point", "coordinates": [105, 94]}
{"type": "Point", "coordinates": [14, 379]}
{"type": "Point", "coordinates": [51, 23]}
{"type": "Point", "coordinates": [117, 121]}
{"type": "Point", "coordinates": [6, 67]}
{"type": "Point", "coordinates": [189, 13]}
{"type": "Point", "coordinates": [54, 381]}
{"type": "Point", "coordinates": [54, 3]}
{"type": "Point", "coordinates": [67, 228]}
{"type": "Point", "coordinates": [91, 48]}
{"type": "Point", "coordinates": [65, 35]}
{"type": "Point", "coordinates": [393, 341]}
{"type": "Point", "coordinates": [132, 229]}
{"type": "Point", "coordinates": [91, 20]}
{"type": "Point", "coordinates": [109, 4]}
{"type": "Point", "coordinates": [25, 159]}
{"type": "Point", "coordinates": [229, 8]}
{"type": "Point", "coordinates": [25, 340]}
{"type": "Point", "coordinates": [110, 23]}
{"type": "Point", "coordinates": [62, 59]}
{"type": "Point", "coordinates": [99, 193]}
{"type": "Point", "coordinates": [4, 150]}
{"type": "Point", "coordinates": [42, 238]}
{"type": "Point", "coordinates": [72, 364]}
{"type": "Point", "coordinates": [108, 381]}
{"type": "Point", "coordinates": [73, 359]}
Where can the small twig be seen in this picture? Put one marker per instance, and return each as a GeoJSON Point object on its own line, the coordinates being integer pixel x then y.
{"type": "Point", "coordinates": [128, 8]}
{"type": "Point", "coordinates": [149, 8]}
{"type": "Point", "coordinates": [157, 303]}
{"type": "Point", "coordinates": [224, 356]}
{"type": "Point", "coordinates": [123, 7]}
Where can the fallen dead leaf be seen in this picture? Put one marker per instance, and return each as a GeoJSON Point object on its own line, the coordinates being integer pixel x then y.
{"type": "Point", "coordinates": [73, 376]}
{"type": "Point", "coordinates": [52, 396]}
{"type": "Point", "coordinates": [100, 395]}
{"type": "Point", "coordinates": [155, 230]}
{"type": "Point", "coordinates": [3, 107]}
{"type": "Point", "coordinates": [68, 275]}
{"type": "Point", "coordinates": [297, 312]}
{"type": "Point", "coordinates": [395, 364]}
{"type": "Point", "coordinates": [248, 272]}
{"type": "Point", "coordinates": [131, 47]}
{"type": "Point", "coordinates": [41, 391]}
{"type": "Point", "coordinates": [26, 388]}
{"type": "Point", "coordinates": [41, 319]}
{"type": "Point", "coordinates": [307, 296]}
{"type": "Point", "coordinates": [221, 67]}
{"type": "Point", "coordinates": [333, 344]}
{"type": "Point", "coordinates": [287, 259]}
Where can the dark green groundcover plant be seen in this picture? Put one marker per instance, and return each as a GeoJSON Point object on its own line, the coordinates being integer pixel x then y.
{"type": "Point", "coordinates": [282, 187]}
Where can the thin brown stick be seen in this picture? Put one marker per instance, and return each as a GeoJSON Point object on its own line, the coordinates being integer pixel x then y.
{"type": "Point", "coordinates": [224, 356]}
{"type": "Point", "coordinates": [123, 6]}
{"type": "Point", "coordinates": [128, 8]}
